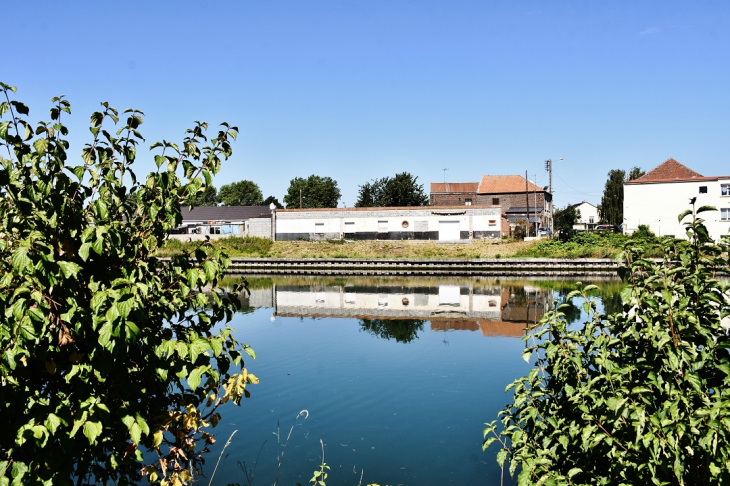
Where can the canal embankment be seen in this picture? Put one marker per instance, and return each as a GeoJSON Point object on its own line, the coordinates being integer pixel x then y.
{"type": "Point", "coordinates": [524, 267]}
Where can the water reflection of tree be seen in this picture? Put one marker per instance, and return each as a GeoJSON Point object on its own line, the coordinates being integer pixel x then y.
{"type": "Point", "coordinates": [402, 330]}
{"type": "Point", "coordinates": [611, 299]}
{"type": "Point", "coordinates": [571, 311]}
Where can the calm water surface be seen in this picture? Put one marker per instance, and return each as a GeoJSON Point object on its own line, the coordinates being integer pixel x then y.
{"type": "Point", "coordinates": [398, 377]}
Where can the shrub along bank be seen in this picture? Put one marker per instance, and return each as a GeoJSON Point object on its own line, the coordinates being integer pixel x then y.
{"type": "Point", "coordinates": [637, 396]}
{"type": "Point", "coordinates": [593, 245]}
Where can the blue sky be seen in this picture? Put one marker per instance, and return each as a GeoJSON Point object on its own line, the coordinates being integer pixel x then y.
{"type": "Point", "coordinates": [357, 90]}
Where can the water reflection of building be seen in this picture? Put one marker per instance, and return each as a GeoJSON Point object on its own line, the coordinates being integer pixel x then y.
{"type": "Point", "coordinates": [498, 310]}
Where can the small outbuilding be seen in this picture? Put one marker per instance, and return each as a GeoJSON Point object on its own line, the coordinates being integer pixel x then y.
{"type": "Point", "coordinates": [223, 221]}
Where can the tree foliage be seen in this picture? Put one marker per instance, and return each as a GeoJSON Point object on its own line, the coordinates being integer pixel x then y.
{"type": "Point", "coordinates": [241, 193]}
{"type": "Point", "coordinates": [565, 218]}
{"type": "Point", "coordinates": [641, 396]}
{"type": "Point", "coordinates": [271, 199]}
{"type": "Point", "coordinates": [315, 191]}
{"type": "Point", "coordinates": [107, 351]}
{"type": "Point", "coordinates": [399, 191]}
{"type": "Point", "coordinates": [611, 209]}
{"type": "Point", "coordinates": [207, 197]}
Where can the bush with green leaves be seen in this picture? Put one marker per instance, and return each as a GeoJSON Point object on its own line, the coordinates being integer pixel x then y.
{"type": "Point", "coordinates": [641, 396]}
{"type": "Point", "coordinates": [105, 350]}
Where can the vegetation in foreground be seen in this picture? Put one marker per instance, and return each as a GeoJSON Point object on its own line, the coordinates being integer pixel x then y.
{"type": "Point", "coordinates": [640, 396]}
{"type": "Point", "coordinates": [107, 353]}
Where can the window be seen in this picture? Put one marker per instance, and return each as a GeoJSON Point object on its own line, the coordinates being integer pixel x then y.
{"type": "Point", "coordinates": [318, 228]}
{"type": "Point", "coordinates": [349, 226]}
{"type": "Point", "coordinates": [383, 226]}
{"type": "Point", "coordinates": [495, 201]}
{"type": "Point", "coordinates": [590, 219]}
{"type": "Point", "coordinates": [703, 189]}
{"type": "Point", "coordinates": [725, 214]}
{"type": "Point", "coordinates": [725, 189]}
{"type": "Point", "coordinates": [492, 222]}
{"type": "Point", "coordinates": [467, 202]}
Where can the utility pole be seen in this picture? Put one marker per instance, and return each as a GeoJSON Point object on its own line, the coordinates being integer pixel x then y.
{"type": "Point", "coordinates": [549, 168]}
{"type": "Point", "coordinates": [527, 199]}
{"type": "Point", "coordinates": [534, 191]}
{"type": "Point", "coordinates": [300, 198]}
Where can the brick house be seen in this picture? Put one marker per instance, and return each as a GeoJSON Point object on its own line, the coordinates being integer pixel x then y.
{"type": "Point", "coordinates": [518, 198]}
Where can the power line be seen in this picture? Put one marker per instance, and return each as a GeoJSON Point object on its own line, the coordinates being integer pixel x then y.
{"type": "Point", "coordinates": [577, 190]}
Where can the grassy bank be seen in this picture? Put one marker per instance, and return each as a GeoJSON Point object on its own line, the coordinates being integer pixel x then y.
{"type": "Point", "coordinates": [260, 247]}
{"type": "Point", "coordinates": [580, 245]}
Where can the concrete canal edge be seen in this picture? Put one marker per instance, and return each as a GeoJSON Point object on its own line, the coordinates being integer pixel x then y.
{"type": "Point", "coordinates": [523, 267]}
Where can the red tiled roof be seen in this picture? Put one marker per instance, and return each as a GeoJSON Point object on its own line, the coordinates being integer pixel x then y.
{"type": "Point", "coordinates": [454, 187]}
{"type": "Point", "coordinates": [670, 170]}
{"type": "Point", "coordinates": [505, 183]}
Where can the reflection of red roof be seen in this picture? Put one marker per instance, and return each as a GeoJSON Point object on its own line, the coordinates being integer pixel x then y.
{"type": "Point", "coordinates": [488, 327]}
{"type": "Point", "coordinates": [454, 187]}
{"type": "Point", "coordinates": [505, 183]}
{"type": "Point", "coordinates": [671, 170]}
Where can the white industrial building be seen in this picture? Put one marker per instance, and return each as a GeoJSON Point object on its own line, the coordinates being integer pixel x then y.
{"type": "Point", "coordinates": [657, 198]}
{"type": "Point", "coordinates": [449, 223]}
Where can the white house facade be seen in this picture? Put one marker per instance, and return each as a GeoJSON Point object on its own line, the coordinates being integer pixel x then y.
{"type": "Point", "coordinates": [657, 198]}
{"type": "Point", "coordinates": [449, 223]}
{"type": "Point", "coordinates": [588, 216]}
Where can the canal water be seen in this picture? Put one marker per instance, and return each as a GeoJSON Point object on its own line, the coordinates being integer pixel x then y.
{"type": "Point", "coordinates": [397, 377]}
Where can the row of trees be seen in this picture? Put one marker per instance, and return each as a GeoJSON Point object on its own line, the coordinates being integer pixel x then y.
{"type": "Point", "coordinates": [241, 193]}
{"type": "Point", "coordinates": [318, 192]}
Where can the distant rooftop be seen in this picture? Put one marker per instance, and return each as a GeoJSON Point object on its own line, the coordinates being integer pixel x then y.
{"type": "Point", "coordinates": [506, 183]}
{"type": "Point", "coordinates": [668, 171]}
{"type": "Point", "coordinates": [454, 187]}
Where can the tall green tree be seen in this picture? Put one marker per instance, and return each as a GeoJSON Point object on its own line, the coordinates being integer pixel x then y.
{"type": "Point", "coordinates": [206, 197]}
{"type": "Point", "coordinates": [639, 396]}
{"type": "Point", "coordinates": [565, 218]}
{"type": "Point", "coordinates": [611, 209]}
{"type": "Point", "coordinates": [634, 174]}
{"type": "Point", "coordinates": [272, 199]}
{"type": "Point", "coordinates": [370, 194]}
{"type": "Point", "coordinates": [241, 193]}
{"type": "Point", "coordinates": [108, 351]}
{"type": "Point", "coordinates": [315, 192]}
{"type": "Point", "coordinates": [401, 190]}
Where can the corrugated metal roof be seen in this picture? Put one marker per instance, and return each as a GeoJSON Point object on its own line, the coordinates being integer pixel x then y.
{"type": "Point", "coordinates": [513, 218]}
{"type": "Point", "coordinates": [223, 213]}
{"type": "Point", "coordinates": [501, 184]}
